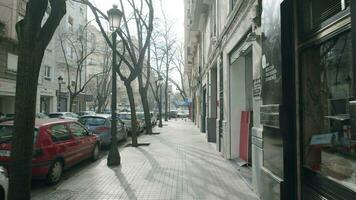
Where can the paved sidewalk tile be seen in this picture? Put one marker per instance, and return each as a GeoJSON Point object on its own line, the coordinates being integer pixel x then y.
{"type": "Point", "coordinates": [178, 164]}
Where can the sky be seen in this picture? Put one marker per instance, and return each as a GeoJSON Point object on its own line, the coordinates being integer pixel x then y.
{"type": "Point", "coordinates": [174, 10]}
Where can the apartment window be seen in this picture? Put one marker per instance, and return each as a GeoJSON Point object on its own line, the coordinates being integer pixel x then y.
{"type": "Point", "coordinates": [12, 62]}
{"type": "Point", "coordinates": [81, 11]}
{"type": "Point", "coordinates": [47, 72]}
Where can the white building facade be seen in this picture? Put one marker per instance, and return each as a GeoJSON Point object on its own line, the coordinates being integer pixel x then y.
{"type": "Point", "coordinates": [223, 61]}
{"type": "Point", "coordinates": [47, 92]}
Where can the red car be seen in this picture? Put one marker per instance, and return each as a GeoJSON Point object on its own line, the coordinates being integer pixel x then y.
{"type": "Point", "coordinates": [58, 145]}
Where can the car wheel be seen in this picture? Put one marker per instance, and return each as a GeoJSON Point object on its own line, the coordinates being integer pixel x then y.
{"type": "Point", "coordinates": [55, 173]}
{"type": "Point", "coordinates": [95, 153]}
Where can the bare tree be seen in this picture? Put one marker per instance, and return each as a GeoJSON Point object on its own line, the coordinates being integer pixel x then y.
{"type": "Point", "coordinates": [100, 86]}
{"type": "Point", "coordinates": [75, 57]}
{"type": "Point", "coordinates": [132, 56]}
{"type": "Point", "coordinates": [33, 39]}
{"type": "Point", "coordinates": [178, 63]}
{"type": "Point", "coordinates": [167, 46]}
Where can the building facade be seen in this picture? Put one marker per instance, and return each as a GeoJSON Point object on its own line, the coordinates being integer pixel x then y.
{"type": "Point", "coordinates": [52, 65]}
{"type": "Point", "coordinates": [222, 61]}
{"type": "Point", "coordinates": [71, 47]}
{"type": "Point", "coordinates": [277, 77]}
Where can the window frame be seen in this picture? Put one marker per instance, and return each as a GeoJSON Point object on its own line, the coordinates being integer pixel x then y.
{"type": "Point", "coordinates": [319, 183]}
{"type": "Point", "coordinates": [79, 125]}
{"type": "Point", "coordinates": [47, 72]}
{"type": "Point", "coordinates": [49, 129]}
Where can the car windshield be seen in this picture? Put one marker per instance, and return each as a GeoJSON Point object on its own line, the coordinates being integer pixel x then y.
{"type": "Point", "coordinates": [6, 133]}
{"type": "Point", "coordinates": [55, 115]}
{"type": "Point", "coordinates": [124, 116]}
{"type": "Point", "coordinates": [92, 121]}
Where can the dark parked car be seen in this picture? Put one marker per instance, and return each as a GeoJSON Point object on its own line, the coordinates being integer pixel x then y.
{"type": "Point", "coordinates": [173, 114]}
{"type": "Point", "coordinates": [101, 125]}
{"type": "Point", "coordinates": [126, 118]}
{"type": "Point", "coordinates": [58, 145]}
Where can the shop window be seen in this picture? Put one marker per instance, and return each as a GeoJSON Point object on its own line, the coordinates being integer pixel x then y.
{"type": "Point", "coordinates": [329, 110]}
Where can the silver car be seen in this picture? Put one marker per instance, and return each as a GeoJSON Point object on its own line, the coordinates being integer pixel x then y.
{"type": "Point", "coordinates": [64, 115]}
{"type": "Point", "coordinates": [100, 125]}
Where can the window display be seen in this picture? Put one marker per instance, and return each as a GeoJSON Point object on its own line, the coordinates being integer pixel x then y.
{"type": "Point", "coordinates": [329, 110]}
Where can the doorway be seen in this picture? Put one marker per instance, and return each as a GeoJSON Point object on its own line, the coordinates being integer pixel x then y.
{"type": "Point", "coordinates": [45, 104]}
{"type": "Point", "coordinates": [241, 105]}
{"type": "Point", "coordinates": [203, 113]}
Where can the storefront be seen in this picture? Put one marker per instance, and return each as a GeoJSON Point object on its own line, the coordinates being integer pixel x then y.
{"type": "Point", "coordinates": [327, 100]}
{"type": "Point", "coordinates": [309, 99]}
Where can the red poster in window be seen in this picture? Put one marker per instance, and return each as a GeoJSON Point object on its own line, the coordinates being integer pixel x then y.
{"type": "Point", "coordinates": [244, 134]}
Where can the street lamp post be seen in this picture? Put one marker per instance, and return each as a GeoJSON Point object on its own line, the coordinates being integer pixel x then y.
{"type": "Point", "coordinates": [60, 81]}
{"type": "Point", "coordinates": [169, 104]}
{"type": "Point", "coordinates": [114, 15]}
{"type": "Point", "coordinates": [159, 84]}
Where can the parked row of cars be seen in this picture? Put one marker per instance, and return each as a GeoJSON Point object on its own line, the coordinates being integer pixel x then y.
{"type": "Point", "coordinates": [58, 144]}
{"type": "Point", "coordinates": [62, 140]}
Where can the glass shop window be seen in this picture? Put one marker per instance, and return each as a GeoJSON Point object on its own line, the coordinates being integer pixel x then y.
{"type": "Point", "coordinates": [329, 110]}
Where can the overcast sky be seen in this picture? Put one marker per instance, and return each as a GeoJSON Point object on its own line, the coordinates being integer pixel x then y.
{"type": "Point", "coordinates": [174, 10]}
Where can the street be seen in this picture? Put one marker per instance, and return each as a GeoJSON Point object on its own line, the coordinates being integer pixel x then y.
{"type": "Point", "coordinates": [177, 164]}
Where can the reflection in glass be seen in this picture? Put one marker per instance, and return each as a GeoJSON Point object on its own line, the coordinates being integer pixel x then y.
{"type": "Point", "coordinates": [329, 110]}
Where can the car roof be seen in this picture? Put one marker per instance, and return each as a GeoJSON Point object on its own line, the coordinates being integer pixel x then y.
{"type": "Point", "coordinates": [97, 115]}
{"type": "Point", "coordinates": [41, 122]}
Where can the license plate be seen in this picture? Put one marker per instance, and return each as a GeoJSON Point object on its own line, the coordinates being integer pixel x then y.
{"type": "Point", "coordinates": [4, 153]}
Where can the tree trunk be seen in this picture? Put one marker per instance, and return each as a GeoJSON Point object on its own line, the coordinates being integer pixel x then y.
{"type": "Point", "coordinates": [146, 109]}
{"type": "Point", "coordinates": [134, 127]}
{"type": "Point", "coordinates": [100, 106]}
{"type": "Point", "coordinates": [33, 38]}
{"type": "Point", "coordinates": [166, 99]}
{"type": "Point", "coordinates": [160, 107]}
{"type": "Point", "coordinates": [71, 102]}
{"type": "Point", "coordinates": [99, 109]}
{"type": "Point", "coordinates": [21, 156]}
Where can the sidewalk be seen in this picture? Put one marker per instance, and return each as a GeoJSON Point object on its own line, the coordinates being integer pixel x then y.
{"type": "Point", "coordinates": [178, 164]}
